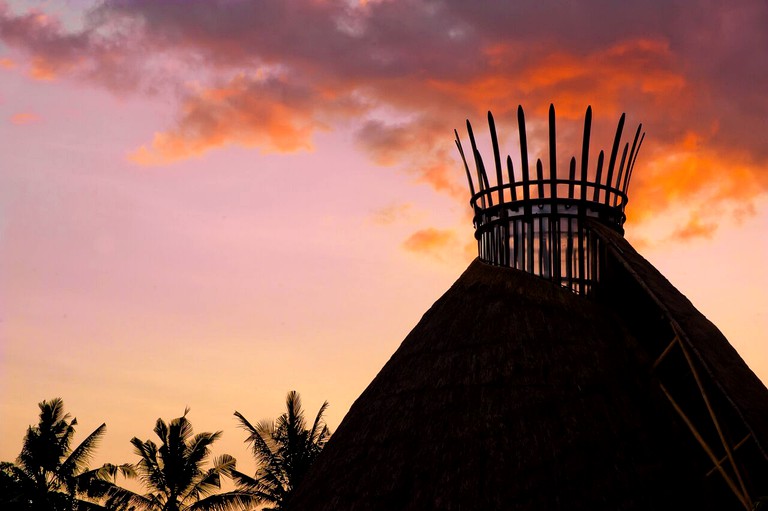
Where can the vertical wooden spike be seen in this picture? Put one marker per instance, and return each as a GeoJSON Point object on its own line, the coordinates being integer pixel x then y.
{"type": "Point", "coordinates": [512, 184]}
{"type": "Point", "coordinates": [529, 245]}
{"type": "Point", "coordinates": [629, 161]}
{"type": "Point", "coordinates": [581, 257]}
{"type": "Point", "coordinates": [585, 151]}
{"type": "Point", "coordinates": [554, 242]}
{"type": "Point", "coordinates": [523, 151]}
{"type": "Point", "coordinates": [621, 170]}
{"type": "Point", "coordinates": [484, 174]}
{"type": "Point", "coordinates": [476, 154]}
{"type": "Point", "coordinates": [496, 157]}
{"type": "Point", "coordinates": [596, 195]}
{"type": "Point", "coordinates": [612, 161]}
{"type": "Point", "coordinates": [466, 167]}
{"type": "Point", "coordinates": [552, 154]}
{"type": "Point", "coordinates": [540, 178]}
{"type": "Point", "coordinates": [569, 250]}
{"type": "Point", "coordinates": [632, 167]}
{"type": "Point", "coordinates": [553, 223]}
{"type": "Point", "coordinates": [571, 177]}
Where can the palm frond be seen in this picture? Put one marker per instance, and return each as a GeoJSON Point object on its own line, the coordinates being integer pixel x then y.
{"type": "Point", "coordinates": [86, 505]}
{"type": "Point", "coordinates": [99, 483]}
{"type": "Point", "coordinates": [149, 469]}
{"type": "Point", "coordinates": [318, 426]}
{"type": "Point", "coordinates": [198, 447]}
{"type": "Point", "coordinates": [258, 438]}
{"type": "Point", "coordinates": [266, 490]}
{"type": "Point", "coordinates": [120, 498]}
{"type": "Point", "coordinates": [64, 433]}
{"type": "Point", "coordinates": [82, 454]}
{"type": "Point", "coordinates": [109, 472]}
{"type": "Point", "coordinates": [244, 481]}
{"type": "Point", "coordinates": [228, 501]}
{"type": "Point", "coordinates": [225, 463]}
{"type": "Point", "coordinates": [182, 428]}
{"type": "Point", "coordinates": [294, 415]}
{"type": "Point", "coordinates": [52, 412]}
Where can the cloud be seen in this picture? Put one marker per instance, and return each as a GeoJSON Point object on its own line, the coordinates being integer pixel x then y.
{"type": "Point", "coordinates": [108, 51]}
{"type": "Point", "coordinates": [43, 38]}
{"type": "Point", "coordinates": [419, 146]}
{"type": "Point", "coordinates": [432, 242]}
{"type": "Point", "coordinates": [695, 228]}
{"type": "Point", "coordinates": [22, 118]}
{"type": "Point", "coordinates": [271, 114]}
{"type": "Point", "coordinates": [687, 174]}
{"type": "Point", "coordinates": [394, 212]}
{"type": "Point", "coordinates": [271, 74]}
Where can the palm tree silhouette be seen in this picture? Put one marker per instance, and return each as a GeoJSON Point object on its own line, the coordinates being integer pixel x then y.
{"type": "Point", "coordinates": [174, 476]}
{"type": "Point", "coordinates": [50, 475]}
{"type": "Point", "coordinates": [284, 451]}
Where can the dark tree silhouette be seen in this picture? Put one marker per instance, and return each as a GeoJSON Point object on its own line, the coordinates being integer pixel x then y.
{"type": "Point", "coordinates": [173, 473]}
{"type": "Point", "coordinates": [284, 451]}
{"type": "Point", "coordinates": [48, 474]}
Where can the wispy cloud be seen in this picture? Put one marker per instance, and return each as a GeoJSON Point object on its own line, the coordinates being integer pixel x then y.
{"type": "Point", "coordinates": [392, 213]}
{"type": "Point", "coordinates": [695, 228]}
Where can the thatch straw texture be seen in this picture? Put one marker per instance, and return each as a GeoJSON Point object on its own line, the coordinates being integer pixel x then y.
{"type": "Point", "coordinates": [510, 393]}
{"type": "Point", "coordinates": [723, 365]}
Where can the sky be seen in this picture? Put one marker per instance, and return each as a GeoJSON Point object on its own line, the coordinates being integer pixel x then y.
{"type": "Point", "coordinates": [209, 203]}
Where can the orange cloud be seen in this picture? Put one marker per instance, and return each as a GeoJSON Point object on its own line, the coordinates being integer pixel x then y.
{"type": "Point", "coordinates": [245, 112]}
{"type": "Point", "coordinates": [432, 242]}
{"type": "Point", "coordinates": [701, 180]}
{"type": "Point", "coordinates": [607, 76]}
{"type": "Point", "coordinates": [440, 173]}
{"type": "Point", "coordinates": [22, 118]}
{"type": "Point", "coordinates": [42, 69]}
{"type": "Point", "coordinates": [695, 228]}
{"type": "Point", "coordinates": [7, 63]}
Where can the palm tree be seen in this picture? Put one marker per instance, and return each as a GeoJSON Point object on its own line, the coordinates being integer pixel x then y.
{"type": "Point", "coordinates": [50, 475]}
{"type": "Point", "coordinates": [284, 451]}
{"type": "Point", "coordinates": [174, 476]}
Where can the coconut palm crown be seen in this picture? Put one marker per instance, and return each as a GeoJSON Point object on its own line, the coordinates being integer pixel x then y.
{"type": "Point", "coordinates": [173, 473]}
{"type": "Point", "coordinates": [49, 474]}
{"type": "Point", "coordinates": [284, 451]}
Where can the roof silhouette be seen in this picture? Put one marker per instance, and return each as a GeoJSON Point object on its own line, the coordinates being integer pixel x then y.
{"type": "Point", "coordinates": [514, 393]}
{"type": "Point", "coordinates": [560, 371]}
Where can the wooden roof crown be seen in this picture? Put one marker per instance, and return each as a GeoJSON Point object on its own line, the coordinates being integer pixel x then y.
{"type": "Point", "coordinates": [533, 219]}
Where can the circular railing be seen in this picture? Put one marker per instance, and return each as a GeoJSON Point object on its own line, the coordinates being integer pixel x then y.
{"type": "Point", "coordinates": [535, 220]}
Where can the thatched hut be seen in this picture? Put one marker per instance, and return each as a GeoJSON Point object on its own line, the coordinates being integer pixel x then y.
{"type": "Point", "coordinates": [592, 385]}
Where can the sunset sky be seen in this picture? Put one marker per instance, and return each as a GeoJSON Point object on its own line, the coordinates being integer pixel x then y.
{"type": "Point", "coordinates": [208, 203]}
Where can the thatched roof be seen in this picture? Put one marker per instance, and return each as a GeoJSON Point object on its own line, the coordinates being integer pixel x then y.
{"type": "Point", "coordinates": [723, 365]}
{"type": "Point", "coordinates": [512, 393]}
